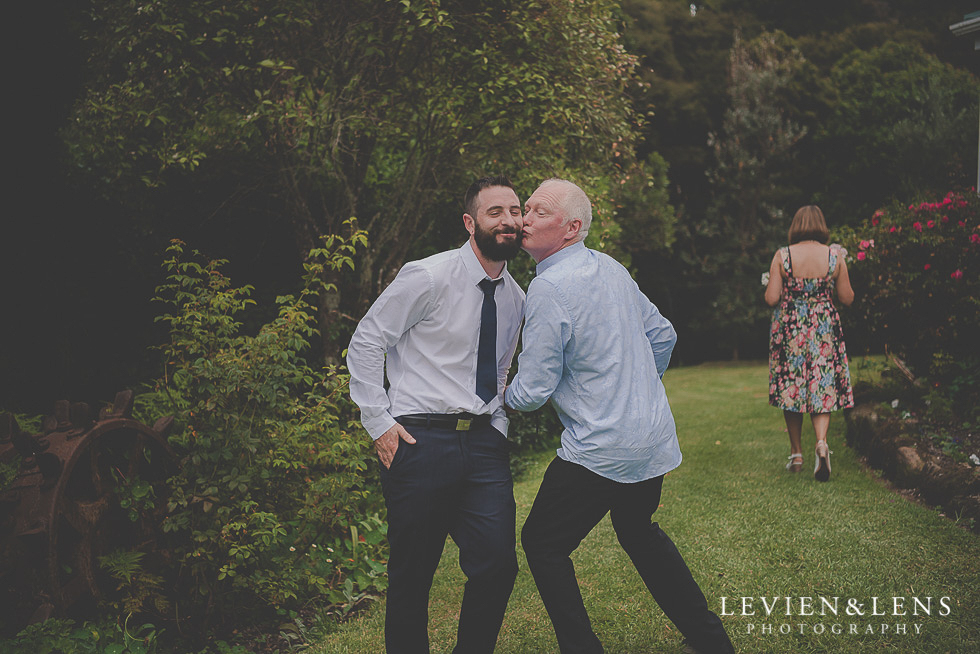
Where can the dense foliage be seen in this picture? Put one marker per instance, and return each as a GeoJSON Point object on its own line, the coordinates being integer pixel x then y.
{"type": "Point", "coordinates": [252, 128]}
{"type": "Point", "coordinates": [276, 500]}
{"type": "Point", "coordinates": [897, 130]}
{"type": "Point", "coordinates": [760, 107]}
{"type": "Point", "coordinates": [303, 115]}
{"type": "Point", "coordinates": [745, 220]}
{"type": "Point", "coordinates": [917, 269]}
{"type": "Point", "coordinates": [61, 636]}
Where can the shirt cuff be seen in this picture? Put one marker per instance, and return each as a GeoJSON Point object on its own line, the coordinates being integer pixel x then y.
{"type": "Point", "coordinates": [377, 425]}
{"type": "Point", "coordinates": [508, 393]}
{"type": "Point", "coordinates": [499, 420]}
{"type": "Point", "coordinates": [521, 401]}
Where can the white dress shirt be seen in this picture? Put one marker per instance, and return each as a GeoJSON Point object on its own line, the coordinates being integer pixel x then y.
{"type": "Point", "coordinates": [427, 322]}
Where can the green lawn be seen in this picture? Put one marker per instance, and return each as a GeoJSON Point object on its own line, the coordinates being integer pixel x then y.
{"type": "Point", "coordinates": [747, 528]}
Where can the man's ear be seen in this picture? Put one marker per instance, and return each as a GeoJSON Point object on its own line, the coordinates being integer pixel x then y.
{"type": "Point", "coordinates": [572, 229]}
{"type": "Point", "coordinates": [469, 223]}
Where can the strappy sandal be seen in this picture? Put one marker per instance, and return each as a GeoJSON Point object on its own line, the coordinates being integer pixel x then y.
{"type": "Point", "coordinates": [821, 468]}
{"type": "Point", "coordinates": [795, 463]}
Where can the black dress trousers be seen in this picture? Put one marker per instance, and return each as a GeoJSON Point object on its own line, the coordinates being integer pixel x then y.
{"type": "Point", "coordinates": [570, 503]}
{"type": "Point", "coordinates": [456, 483]}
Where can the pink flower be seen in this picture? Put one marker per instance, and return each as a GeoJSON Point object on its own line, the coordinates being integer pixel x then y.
{"type": "Point", "coordinates": [861, 256]}
{"type": "Point", "coordinates": [927, 266]}
{"type": "Point", "coordinates": [917, 226]}
{"type": "Point", "coordinates": [957, 274]}
{"type": "Point", "coordinates": [865, 244]}
{"type": "Point", "coordinates": [962, 223]}
{"type": "Point", "coordinates": [931, 224]}
{"type": "Point", "coordinates": [893, 229]}
{"type": "Point", "coordinates": [945, 219]}
{"type": "Point", "coordinates": [974, 238]}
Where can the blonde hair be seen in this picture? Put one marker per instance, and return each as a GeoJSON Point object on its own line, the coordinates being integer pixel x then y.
{"type": "Point", "coordinates": [808, 225]}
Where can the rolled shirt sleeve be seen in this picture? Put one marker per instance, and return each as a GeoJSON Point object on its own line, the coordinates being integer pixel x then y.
{"type": "Point", "coordinates": [546, 332]}
{"type": "Point", "coordinates": [659, 331]}
{"type": "Point", "coordinates": [401, 305]}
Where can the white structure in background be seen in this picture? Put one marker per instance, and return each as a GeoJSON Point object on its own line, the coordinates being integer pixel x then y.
{"type": "Point", "coordinates": [970, 25]}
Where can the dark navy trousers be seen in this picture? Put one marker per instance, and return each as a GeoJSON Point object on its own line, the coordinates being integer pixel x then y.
{"type": "Point", "coordinates": [570, 503]}
{"type": "Point", "coordinates": [454, 483]}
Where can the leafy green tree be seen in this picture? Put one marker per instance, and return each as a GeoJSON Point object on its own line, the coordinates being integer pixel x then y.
{"type": "Point", "coordinates": [683, 49]}
{"type": "Point", "coordinates": [380, 109]}
{"type": "Point", "coordinates": [683, 92]}
{"type": "Point", "coordinates": [901, 128]}
{"type": "Point", "coordinates": [728, 250]}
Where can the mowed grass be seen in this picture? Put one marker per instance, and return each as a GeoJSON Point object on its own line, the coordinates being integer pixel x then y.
{"type": "Point", "coordinates": [747, 528]}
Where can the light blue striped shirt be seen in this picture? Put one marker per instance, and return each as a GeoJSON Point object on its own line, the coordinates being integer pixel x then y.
{"type": "Point", "coordinates": [597, 347]}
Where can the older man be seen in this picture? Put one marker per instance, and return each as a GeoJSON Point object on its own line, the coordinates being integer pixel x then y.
{"type": "Point", "coordinates": [446, 328]}
{"type": "Point", "coordinates": [597, 347]}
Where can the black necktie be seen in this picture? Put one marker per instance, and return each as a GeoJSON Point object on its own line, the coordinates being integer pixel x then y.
{"type": "Point", "coordinates": [486, 354]}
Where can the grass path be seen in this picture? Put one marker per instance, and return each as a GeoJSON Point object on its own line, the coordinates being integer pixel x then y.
{"type": "Point", "coordinates": [747, 529]}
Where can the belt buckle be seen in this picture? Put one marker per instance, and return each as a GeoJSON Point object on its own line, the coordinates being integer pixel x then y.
{"type": "Point", "coordinates": [463, 425]}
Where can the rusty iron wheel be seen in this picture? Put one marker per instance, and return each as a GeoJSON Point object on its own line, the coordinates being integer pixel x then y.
{"type": "Point", "coordinates": [74, 500]}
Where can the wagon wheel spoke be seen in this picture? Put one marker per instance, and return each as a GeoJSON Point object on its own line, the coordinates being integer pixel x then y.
{"type": "Point", "coordinates": [95, 456]}
{"type": "Point", "coordinates": [78, 587]}
{"type": "Point", "coordinates": [135, 455]}
{"type": "Point", "coordinates": [86, 567]}
{"type": "Point", "coordinates": [84, 515]}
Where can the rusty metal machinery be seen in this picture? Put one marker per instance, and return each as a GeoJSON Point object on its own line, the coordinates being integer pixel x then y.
{"type": "Point", "coordinates": [72, 501]}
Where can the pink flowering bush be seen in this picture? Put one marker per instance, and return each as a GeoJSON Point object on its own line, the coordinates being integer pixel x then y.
{"type": "Point", "coordinates": [916, 272]}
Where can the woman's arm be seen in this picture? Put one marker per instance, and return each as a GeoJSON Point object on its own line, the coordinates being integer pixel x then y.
{"type": "Point", "coordinates": [774, 289]}
{"type": "Point", "coordinates": [844, 291]}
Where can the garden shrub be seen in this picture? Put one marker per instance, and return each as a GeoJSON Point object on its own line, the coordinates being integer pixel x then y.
{"type": "Point", "coordinates": [276, 501]}
{"type": "Point", "coordinates": [916, 272]}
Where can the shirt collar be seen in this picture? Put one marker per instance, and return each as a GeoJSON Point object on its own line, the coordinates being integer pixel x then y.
{"type": "Point", "coordinates": [559, 256]}
{"type": "Point", "coordinates": [474, 269]}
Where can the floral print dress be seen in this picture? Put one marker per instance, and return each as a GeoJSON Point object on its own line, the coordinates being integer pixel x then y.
{"type": "Point", "coordinates": [807, 361]}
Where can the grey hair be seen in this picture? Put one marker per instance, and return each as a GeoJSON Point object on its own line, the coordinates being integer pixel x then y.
{"type": "Point", "coordinates": [574, 206]}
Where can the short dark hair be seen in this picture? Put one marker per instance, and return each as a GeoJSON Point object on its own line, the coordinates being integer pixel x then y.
{"type": "Point", "coordinates": [808, 225]}
{"type": "Point", "coordinates": [469, 200]}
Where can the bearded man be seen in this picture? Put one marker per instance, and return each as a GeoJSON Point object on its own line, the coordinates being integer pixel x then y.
{"type": "Point", "coordinates": [445, 331]}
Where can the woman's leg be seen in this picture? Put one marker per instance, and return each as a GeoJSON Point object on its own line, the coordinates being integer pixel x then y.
{"type": "Point", "coordinates": [794, 425]}
{"type": "Point", "coordinates": [821, 424]}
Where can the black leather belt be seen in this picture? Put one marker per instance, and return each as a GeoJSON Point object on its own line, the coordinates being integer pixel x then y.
{"type": "Point", "coordinates": [456, 421]}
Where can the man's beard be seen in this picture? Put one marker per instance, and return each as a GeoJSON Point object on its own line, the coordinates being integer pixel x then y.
{"type": "Point", "coordinates": [491, 249]}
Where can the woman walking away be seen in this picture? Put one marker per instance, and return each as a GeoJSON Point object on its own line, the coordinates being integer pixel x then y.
{"type": "Point", "coordinates": [807, 360]}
